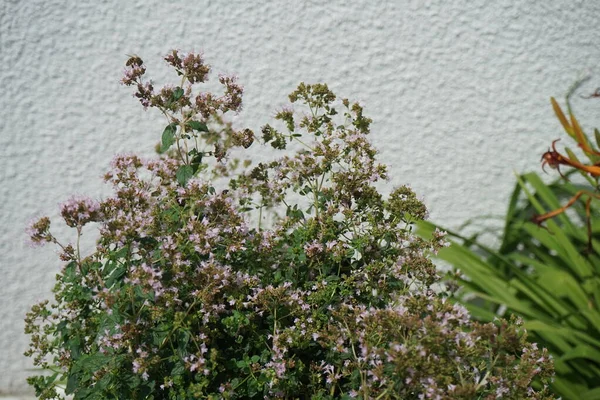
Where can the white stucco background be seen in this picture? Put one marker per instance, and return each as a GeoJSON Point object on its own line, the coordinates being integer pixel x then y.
{"type": "Point", "coordinates": [458, 91]}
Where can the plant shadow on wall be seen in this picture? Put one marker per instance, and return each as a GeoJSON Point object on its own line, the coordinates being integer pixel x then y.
{"type": "Point", "coordinates": [547, 267]}
{"type": "Point", "coordinates": [184, 297]}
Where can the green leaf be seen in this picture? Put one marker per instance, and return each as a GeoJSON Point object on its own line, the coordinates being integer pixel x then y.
{"type": "Point", "coordinates": [252, 387]}
{"type": "Point", "coordinates": [70, 273]}
{"type": "Point", "coordinates": [168, 137]}
{"type": "Point", "coordinates": [571, 155]}
{"type": "Point", "coordinates": [196, 159]}
{"type": "Point", "coordinates": [103, 382]}
{"type": "Point", "coordinates": [72, 384]}
{"type": "Point", "coordinates": [178, 369]}
{"type": "Point", "coordinates": [183, 338]}
{"type": "Point", "coordinates": [184, 173]}
{"type": "Point", "coordinates": [567, 333]}
{"type": "Point", "coordinates": [132, 381]}
{"type": "Point", "coordinates": [197, 126]}
{"type": "Point", "coordinates": [74, 346]}
{"type": "Point", "coordinates": [566, 388]}
{"type": "Point", "coordinates": [160, 334]}
{"type": "Point", "coordinates": [177, 93]}
{"type": "Point", "coordinates": [593, 394]}
{"type": "Point", "coordinates": [114, 274]}
{"type": "Point", "coordinates": [582, 351]}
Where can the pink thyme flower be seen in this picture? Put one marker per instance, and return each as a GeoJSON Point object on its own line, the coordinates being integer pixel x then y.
{"type": "Point", "coordinates": [39, 231]}
{"type": "Point", "coordinates": [79, 210]}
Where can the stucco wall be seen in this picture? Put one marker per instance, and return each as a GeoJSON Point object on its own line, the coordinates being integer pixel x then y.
{"type": "Point", "coordinates": [458, 91]}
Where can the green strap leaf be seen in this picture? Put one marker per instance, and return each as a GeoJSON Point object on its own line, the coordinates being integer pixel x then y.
{"type": "Point", "coordinates": [582, 351]}
{"type": "Point", "coordinates": [593, 394]}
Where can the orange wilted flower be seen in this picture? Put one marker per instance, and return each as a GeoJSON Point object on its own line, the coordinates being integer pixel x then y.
{"type": "Point", "coordinates": [554, 160]}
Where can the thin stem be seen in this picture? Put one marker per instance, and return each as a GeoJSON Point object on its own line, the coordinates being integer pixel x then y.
{"type": "Point", "coordinates": [78, 251]}
{"type": "Point", "coordinates": [187, 158]}
{"type": "Point", "coordinates": [274, 322]}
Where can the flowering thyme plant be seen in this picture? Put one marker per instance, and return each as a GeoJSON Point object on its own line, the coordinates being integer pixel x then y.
{"type": "Point", "coordinates": [185, 297]}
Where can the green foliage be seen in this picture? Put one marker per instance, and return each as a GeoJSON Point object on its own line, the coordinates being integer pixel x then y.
{"type": "Point", "coordinates": [547, 275]}
{"type": "Point", "coordinates": [168, 137]}
{"type": "Point", "coordinates": [185, 297]}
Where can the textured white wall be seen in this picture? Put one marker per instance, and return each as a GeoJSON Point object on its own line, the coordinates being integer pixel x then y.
{"type": "Point", "coordinates": [458, 92]}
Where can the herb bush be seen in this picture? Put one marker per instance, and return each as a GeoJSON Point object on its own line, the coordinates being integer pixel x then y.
{"type": "Point", "coordinates": [187, 295]}
{"type": "Point", "coordinates": [548, 277]}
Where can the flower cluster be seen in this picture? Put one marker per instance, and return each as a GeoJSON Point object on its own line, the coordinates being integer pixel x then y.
{"type": "Point", "coordinates": [188, 295]}
{"type": "Point", "coordinates": [187, 135]}
{"type": "Point", "coordinates": [39, 231]}
{"type": "Point", "coordinates": [79, 210]}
